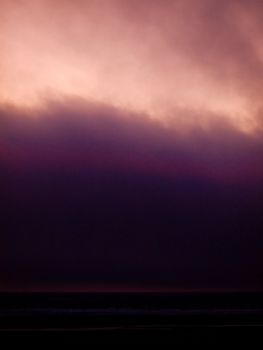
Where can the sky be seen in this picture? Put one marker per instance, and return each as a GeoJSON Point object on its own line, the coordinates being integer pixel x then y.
{"type": "Point", "coordinates": [131, 145]}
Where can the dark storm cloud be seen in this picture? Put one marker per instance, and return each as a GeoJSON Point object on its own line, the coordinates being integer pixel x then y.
{"type": "Point", "coordinates": [92, 195]}
{"type": "Point", "coordinates": [91, 135]}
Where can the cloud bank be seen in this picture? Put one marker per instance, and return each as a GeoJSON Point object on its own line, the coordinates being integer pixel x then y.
{"type": "Point", "coordinates": [131, 145]}
{"type": "Point", "coordinates": [94, 197]}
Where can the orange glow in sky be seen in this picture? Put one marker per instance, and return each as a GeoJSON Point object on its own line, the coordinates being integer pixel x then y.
{"type": "Point", "coordinates": [164, 58]}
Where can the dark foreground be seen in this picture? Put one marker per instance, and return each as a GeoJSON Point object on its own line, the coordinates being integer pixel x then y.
{"type": "Point", "coordinates": [132, 317]}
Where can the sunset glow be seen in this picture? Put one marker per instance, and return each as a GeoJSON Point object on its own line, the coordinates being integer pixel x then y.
{"type": "Point", "coordinates": [163, 62]}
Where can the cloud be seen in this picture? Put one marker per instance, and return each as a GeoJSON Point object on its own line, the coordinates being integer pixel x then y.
{"type": "Point", "coordinates": [131, 144]}
{"type": "Point", "coordinates": [92, 195]}
{"type": "Point", "coordinates": [77, 133]}
{"type": "Point", "coordinates": [150, 57]}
